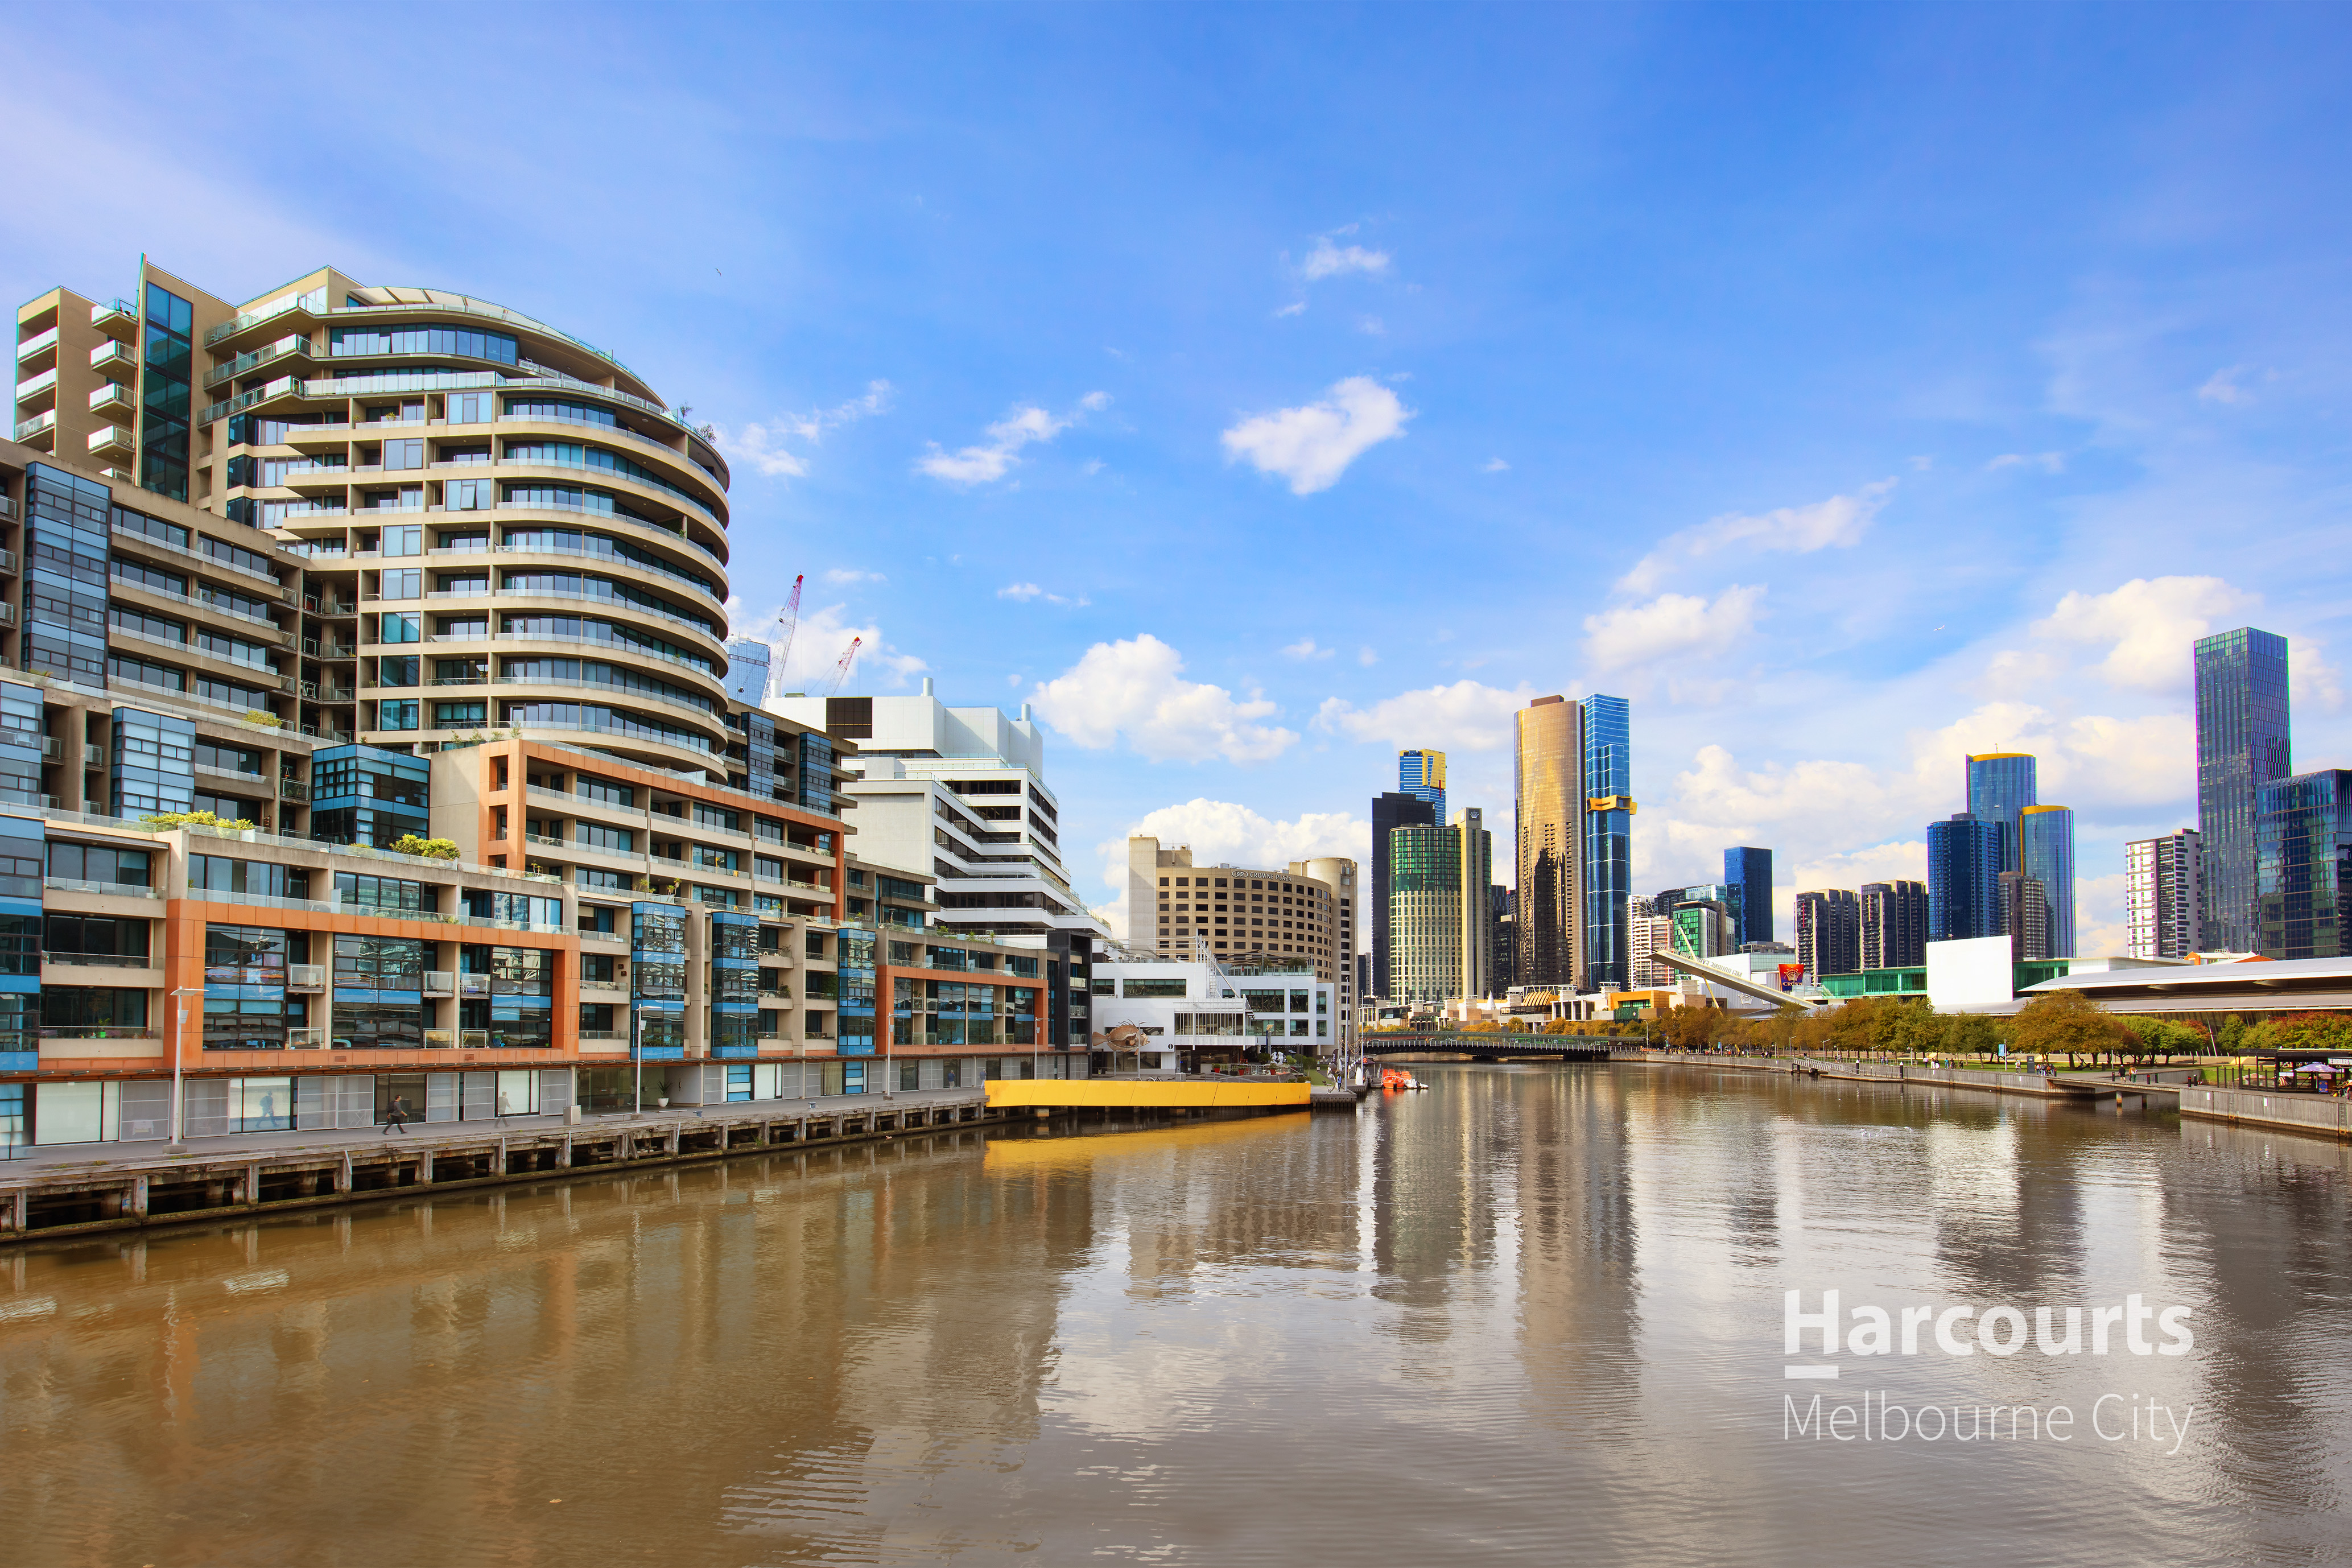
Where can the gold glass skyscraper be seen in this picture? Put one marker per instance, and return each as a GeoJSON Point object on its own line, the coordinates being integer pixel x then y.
{"type": "Point", "coordinates": [1550, 798]}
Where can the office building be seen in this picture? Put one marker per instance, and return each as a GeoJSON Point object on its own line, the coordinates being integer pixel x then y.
{"type": "Point", "coordinates": [1549, 803]}
{"type": "Point", "coordinates": [2242, 743]}
{"type": "Point", "coordinates": [1963, 878]}
{"type": "Point", "coordinates": [2163, 895]}
{"type": "Point", "coordinates": [2303, 867]}
{"type": "Point", "coordinates": [1502, 904]}
{"type": "Point", "coordinates": [2025, 916]}
{"type": "Point", "coordinates": [1747, 871]}
{"type": "Point", "coordinates": [1647, 934]}
{"type": "Point", "coordinates": [1894, 925]}
{"type": "Point", "coordinates": [1391, 810]}
{"type": "Point", "coordinates": [2046, 853]}
{"type": "Point", "coordinates": [1425, 905]}
{"type": "Point", "coordinates": [1828, 933]}
{"type": "Point", "coordinates": [1303, 915]}
{"type": "Point", "coordinates": [1701, 928]}
{"type": "Point", "coordinates": [2000, 785]}
{"type": "Point", "coordinates": [1421, 774]}
{"type": "Point", "coordinates": [1608, 870]}
{"type": "Point", "coordinates": [1189, 1014]}
{"type": "Point", "coordinates": [1476, 848]}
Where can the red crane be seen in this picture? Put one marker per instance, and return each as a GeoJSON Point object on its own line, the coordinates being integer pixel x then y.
{"type": "Point", "coordinates": [787, 622]}
{"type": "Point", "coordinates": [841, 671]}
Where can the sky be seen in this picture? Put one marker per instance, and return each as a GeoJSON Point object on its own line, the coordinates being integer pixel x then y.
{"type": "Point", "coordinates": [1257, 391]}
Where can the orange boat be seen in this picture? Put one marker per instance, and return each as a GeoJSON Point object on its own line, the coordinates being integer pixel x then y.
{"type": "Point", "coordinates": [1392, 1078]}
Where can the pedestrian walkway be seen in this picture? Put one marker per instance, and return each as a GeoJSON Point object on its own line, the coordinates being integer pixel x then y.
{"type": "Point", "coordinates": [29, 1162]}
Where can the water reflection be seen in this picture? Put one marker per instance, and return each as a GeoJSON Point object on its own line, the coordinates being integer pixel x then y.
{"type": "Point", "coordinates": [1534, 1313]}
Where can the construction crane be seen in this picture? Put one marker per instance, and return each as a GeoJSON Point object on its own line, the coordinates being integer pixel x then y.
{"type": "Point", "coordinates": [841, 671]}
{"type": "Point", "coordinates": [788, 621]}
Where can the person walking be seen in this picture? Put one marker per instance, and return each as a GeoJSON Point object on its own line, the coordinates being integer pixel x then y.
{"type": "Point", "coordinates": [397, 1115]}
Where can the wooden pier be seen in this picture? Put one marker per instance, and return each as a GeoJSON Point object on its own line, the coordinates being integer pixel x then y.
{"type": "Point", "coordinates": [54, 1198]}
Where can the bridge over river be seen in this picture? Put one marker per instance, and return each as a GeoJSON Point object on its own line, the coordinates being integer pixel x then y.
{"type": "Point", "coordinates": [1501, 1047]}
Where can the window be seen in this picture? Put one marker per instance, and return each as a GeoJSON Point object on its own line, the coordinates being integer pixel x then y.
{"type": "Point", "coordinates": [223, 874]}
{"type": "Point", "coordinates": [405, 584]}
{"type": "Point", "coordinates": [451, 715]}
{"type": "Point", "coordinates": [386, 893]}
{"type": "Point", "coordinates": [95, 863]}
{"type": "Point", "coordinates": [1150, 987]}
{"type": "Point", "coordinates": [596, 836]}
{"type": "Point", "coordinates": [398, 715]}
{"type": "Point", "coordinates": [77, 1008]}
{"type": "Point", "coordinates": [379, 964]}
{"type": "Point", "coordinates": [402, 670]}
{"type": "Point", "coordinates": [399, 626]}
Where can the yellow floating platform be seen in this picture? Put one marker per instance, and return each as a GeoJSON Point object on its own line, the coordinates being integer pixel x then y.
{"type": "Point", "coordinates": [1116, 1094]}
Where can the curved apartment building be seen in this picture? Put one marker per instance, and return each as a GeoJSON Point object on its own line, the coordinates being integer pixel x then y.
{"type": "Point", "coordinates": [506, 527]}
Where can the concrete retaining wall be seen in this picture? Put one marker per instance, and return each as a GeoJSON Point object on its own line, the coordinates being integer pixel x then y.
{"type": "Point", "coordinates": [2316, 1113]}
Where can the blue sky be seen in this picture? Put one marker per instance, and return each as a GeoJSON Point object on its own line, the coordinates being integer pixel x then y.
{"type": "Point", "coordinates": [1260, 390]}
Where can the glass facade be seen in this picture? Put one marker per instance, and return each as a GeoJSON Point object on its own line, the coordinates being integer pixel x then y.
{"type": "Point", "coordinates": [1964, 879]}
{"type": "Point", "coordinates": [1421, 774]}
{"type": "Point", "coordinates": [735, 983]}
{"type": "Point", "coordinates": [21, 865]}
{"type": "Point", "coordinates": [1748, 872]}
{"type": "Point", "coordinates": [20, 745]}
{"type": "Point", "coordinates": [855, 992]}
{"type": "Point", "coordinates": [657, 981]}
{"type": "Point", "coordinates": [68, 560]}
{"type": "Point", "coordinates": [2241, 744]}
{"type": "Point", "coordinates": [167, 351]}
{"type": "Point", "coordinates": [1425, 913]}
{"type": "Point", "coordinates": [154, 759]}
{"type": "Point", "coordinates": [1391, 810]}
{"type": "Point", "coordinates": [362, 795]}
{"type": "Point", "coordinates": [2303, 848]}
{"type": "Point", "coordinates": [1608, 841]}
{"type": "Point", "coordinates": [2046, 853]}
{"type": "Point", "coordinates": [2001, 786]}
{"type": "Point", "coordinates": [1549, 801]}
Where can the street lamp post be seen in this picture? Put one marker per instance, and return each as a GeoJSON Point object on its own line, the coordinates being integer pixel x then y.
{"type": "Point", "coordinates": [179, 1144]}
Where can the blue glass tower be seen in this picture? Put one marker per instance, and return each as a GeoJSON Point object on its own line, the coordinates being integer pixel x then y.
{"type": "Point", "coordinates": [2001, 784]}
{"type": "Point", "coordinates": [1748, 873]}
{"type": "Point", "coordinates": [2241, 744]}
{"type": "Point", "coordinates": [1964, 879]}
{"type": "Point", "coordinates": [2046, 853]}
{"type": "Point", "coordinates": [1421, 774]}
{"type": "Point", "coordinates": [1608, 842]}
{"type": "Point", "coordinates": [2302, 844]}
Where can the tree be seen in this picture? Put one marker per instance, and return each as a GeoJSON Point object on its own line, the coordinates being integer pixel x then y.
{"type": "Point", "coordinates": [430, 849]}
{"type": "Point", "coordinates": [2068, 1023]}
{"type": "Point", "coordinates": [1970, 1034]}
{"type": "Point", "coordinates": [2231, 1039]}
{"type": "Point", "coordinates": [2164, 1037]}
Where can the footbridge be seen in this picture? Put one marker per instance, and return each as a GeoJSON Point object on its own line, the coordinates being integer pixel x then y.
{"type": "Point", "coordinates": [1499, 1048]}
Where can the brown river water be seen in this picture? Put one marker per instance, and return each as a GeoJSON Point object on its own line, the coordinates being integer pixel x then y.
{"type": "Point", "coordinates": [1534, 1314]}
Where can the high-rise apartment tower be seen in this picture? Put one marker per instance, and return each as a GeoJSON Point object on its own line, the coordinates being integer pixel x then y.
{"type": "Point", "coordinates": [1828, 933]}
{"type": "Point", "coordinates": [1391, 810]}
{"type": "Point", "coordinates": [2163, 901]}
{"type": "Point", "coordinates": [1894, 925]}
{"type": "Point", "coordinates": [1963, 878]}
{"type": "Point", "coordinates": [2241, 744]}
{"type": "Point", "coordinates": [1549, 801]}
{"type": "Point", "coordinates": [1749, 872]}
{"type": "Point", "coordinates": [2046, 836]}
{"type": "Point", "coordinates": [1421, 774]}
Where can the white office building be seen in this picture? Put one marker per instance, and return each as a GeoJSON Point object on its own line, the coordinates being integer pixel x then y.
{"type": "Point", "coordinates": [1186, 1013]}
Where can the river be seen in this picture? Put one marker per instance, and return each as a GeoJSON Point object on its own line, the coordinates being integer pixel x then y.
{"type": "Point", "coordinates": [1534, 1314]}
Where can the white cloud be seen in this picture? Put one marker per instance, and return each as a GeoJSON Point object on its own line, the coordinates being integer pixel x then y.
{"type": "Point", "coordinates": [762, 444]}
{"type": "Point", "coordinates": [1296, 308]}
{"type": "Point", "coordinates": [1839, 520]}
{"type": "Point", "coordinates": [841, 576]}
{"type": "Point", "coordinates": [1312, 446]}
{"type": "Point", "coordinates": [1366, 656]}
{"type": "Point", "coordinates": [1495, 466]}
{"type": "Point", "coordinates": [1463, 717]}
{"type": "Point", "coordinates": [2048, 462]}
{"type": "Point", "coordinates": [2223, 387]}
{"type": "Point", "coordinates": [1024, 592]}
{"type": "Point", "coordinates": [1136, 687]}
{"type": "Point", "coordinates": [994, 458]}
{"type": "Point", "coordinates": [1330, 260]}
{"type": "Point", "coordinates": [1371, 326]}
{"type": "Point", "coordinates": [2147, 626]}
{"type": "Point", "coordinates": [1672, 625]}
{"type": "Point", "coordinates": [1306, 647]}
{"type": "Point", "coordinates": [1220, 831]}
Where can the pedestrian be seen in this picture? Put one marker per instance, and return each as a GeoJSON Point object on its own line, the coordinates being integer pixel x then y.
{"type": "Point", "coordinates": [397, 1115]}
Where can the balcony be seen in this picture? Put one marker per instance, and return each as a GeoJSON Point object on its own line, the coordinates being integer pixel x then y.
{"type": "Point", "coordinates": [37, 345]}
{"type": "Point", "coordinates": [115, 316]}
{"type": "Point", "coordinates": [38, 424]}
{"type": "Point", "coordinates": [110, 441]}
{"type": "Point", "coordinates": [114, 397]}
{"type": "Point", "coordinates": [34, 387]}
{"type": "Point", "coordinates": [295, 345]}
{"type": "Point", "coordinates": [114, 355]}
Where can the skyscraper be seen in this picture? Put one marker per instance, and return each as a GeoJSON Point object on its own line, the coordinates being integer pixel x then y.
{"type": "Point", "coordinates": [1550, 800]}
{"type": "Point", "coordinates": [1608, 840]}
{"type": "Point", "coordinates": [1441, 910]}
{"type": "Point", "coordinates": [2046, 853]}
{"type": "Point", "coordinates": [1391, 811]}
{"type": "Point", "coordinates": [2241, 744]}
{"type": "Point", "coordinates": [1893, 924]}
{"type": "Point", "coordinates": [1476, 846]}
{"type": "Point", "coordinates": [1963, 878]}
{"type": "Point", "coordinates": [1421, 774]}
{"type": "Point", "coordinates": [1748, 871]}
{"type": "Point", "coordinates": [2303, 865]}
{"type": "Point", "coordinates": [2000, 785]}
{"type": "Point", "coordinates": [2163, 896]}
{"type": "Point", "coordinates": [2025, 914]}
{"type": "Point", "coordinates": [1828, 933]}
